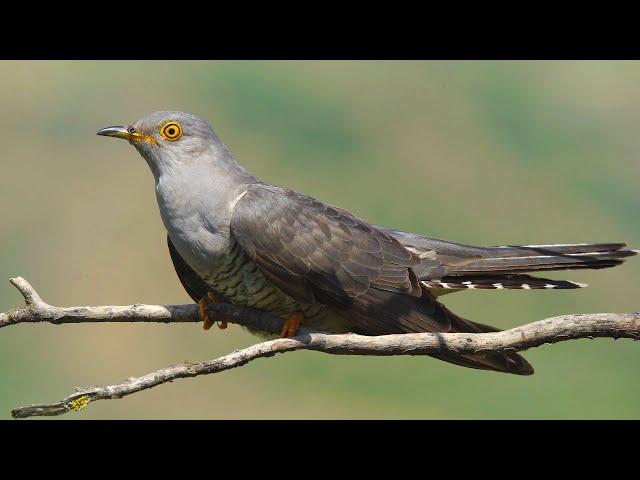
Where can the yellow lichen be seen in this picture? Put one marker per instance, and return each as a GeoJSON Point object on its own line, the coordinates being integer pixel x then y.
{"type": "Point", "coordinates": [79, 403]}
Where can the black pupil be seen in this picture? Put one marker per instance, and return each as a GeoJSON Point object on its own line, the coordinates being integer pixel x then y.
{"type": "Point", "coordinates": [171, 131]}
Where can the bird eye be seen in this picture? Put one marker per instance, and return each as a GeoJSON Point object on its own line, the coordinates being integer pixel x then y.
{"type": "Point", "coordinates": [171, 131]}
{"type": "Point", "coordinates": [131, 130]}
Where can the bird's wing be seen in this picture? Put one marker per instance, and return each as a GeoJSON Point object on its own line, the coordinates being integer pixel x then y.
{"type": "Point", "coordinates": [318, 253]}
{"type": "Point", "coordinates": [192, 283]}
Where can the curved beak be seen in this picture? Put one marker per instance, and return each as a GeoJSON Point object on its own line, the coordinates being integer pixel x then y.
{"type": "Point", "coordinates": [118, 132]}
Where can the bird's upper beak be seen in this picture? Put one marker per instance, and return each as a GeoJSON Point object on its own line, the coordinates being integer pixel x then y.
{"type": "Point", "coordinates": [124, 132]}
{"type": "Point", "coordinates": [119, 132]}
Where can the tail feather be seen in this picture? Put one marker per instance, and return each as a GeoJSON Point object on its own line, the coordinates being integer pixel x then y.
{"type": "Point", "coordinates": [445, 258]}
{"type": "Point", "coordinates": [531, 259]}
{"type": "Point", "coordinates": [449, 267]}
{"type": "Point", "coordinates": [556, 249]}
{"type": "Point", "coordinates": [499, 282]}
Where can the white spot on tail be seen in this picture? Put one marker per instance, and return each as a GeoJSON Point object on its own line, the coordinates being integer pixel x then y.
{"type": "Point", "coordinates": [526, 286]}
{"type": "Point", "coordinates": [549, 285]}
{"type": "Point", "coordinates": [499, 286]}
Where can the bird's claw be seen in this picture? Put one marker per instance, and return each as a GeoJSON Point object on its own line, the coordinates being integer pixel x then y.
{"type": "Point", "coordinates": [291, 324]}
{"type": "Point", "coordinates": [202, 312]}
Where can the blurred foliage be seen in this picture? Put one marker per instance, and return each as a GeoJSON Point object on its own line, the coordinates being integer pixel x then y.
{"type": "Point", "coordinates": [480, 152]}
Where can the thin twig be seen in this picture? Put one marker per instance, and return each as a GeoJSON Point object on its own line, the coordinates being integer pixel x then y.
{"type": "Point", "coordinates": [551, 330]}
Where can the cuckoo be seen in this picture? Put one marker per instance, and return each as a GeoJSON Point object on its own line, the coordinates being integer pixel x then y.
{"type": "Point", "coordinates": [236, 239]}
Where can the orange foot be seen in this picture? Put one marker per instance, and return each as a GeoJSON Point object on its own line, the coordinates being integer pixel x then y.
{"type": "Point", "coordinates": [291, 324]}
{"type": "Point", "coordinates": [202, 303]}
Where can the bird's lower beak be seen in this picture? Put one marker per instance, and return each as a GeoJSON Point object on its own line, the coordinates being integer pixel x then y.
{"type": "Point", "coordinates": [119, 132]}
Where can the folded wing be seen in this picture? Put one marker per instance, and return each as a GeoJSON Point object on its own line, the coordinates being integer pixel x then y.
{"type": "Point", "coordinates": [318, 253]}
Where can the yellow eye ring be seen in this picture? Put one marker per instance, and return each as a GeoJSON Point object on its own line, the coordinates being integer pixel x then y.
{"type": "Point", "coordinates": [172, 131]}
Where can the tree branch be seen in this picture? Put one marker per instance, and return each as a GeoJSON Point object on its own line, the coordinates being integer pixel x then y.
{"type": "Point", "coordinates": [551, 330]}
{"type": "Point", "coordinates": [37, 310]}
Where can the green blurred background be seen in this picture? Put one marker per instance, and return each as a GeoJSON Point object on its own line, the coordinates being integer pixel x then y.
{"type": "Point", "coordinates": [479, 152]}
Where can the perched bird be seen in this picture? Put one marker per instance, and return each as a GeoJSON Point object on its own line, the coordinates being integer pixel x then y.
{"type": "Point", "coordinates": [234, 238]}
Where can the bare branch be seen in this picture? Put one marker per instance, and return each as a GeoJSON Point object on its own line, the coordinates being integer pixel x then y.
{"type": "Point", "coordinates": [551, 330]}
{"type": "Point", "coordinates": [37, 310]}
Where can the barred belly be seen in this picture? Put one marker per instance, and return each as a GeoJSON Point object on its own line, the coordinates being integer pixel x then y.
{"type": "Point", "coordinates": [240, 281]}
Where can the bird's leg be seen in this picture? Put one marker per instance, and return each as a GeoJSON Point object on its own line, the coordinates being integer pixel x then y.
{"type": "Point", "coordinates": [202, 303]}
{"type": "Point", "coordinates": [291, 324]}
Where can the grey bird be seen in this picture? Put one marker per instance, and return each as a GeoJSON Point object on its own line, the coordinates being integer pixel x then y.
{"type": "Point", "coordinates": [234, 238]}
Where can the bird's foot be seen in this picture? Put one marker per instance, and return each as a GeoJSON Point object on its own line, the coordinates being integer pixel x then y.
{"type": "Point", "coordinates": [291, 324]}
{"type": "Point", "coordinates": [202, 303]}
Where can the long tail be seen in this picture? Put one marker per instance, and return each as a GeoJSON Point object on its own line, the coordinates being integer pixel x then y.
{"type": "Point", "coordinates": [501, 267]}
{"type": "Point", "coordinates": [450, 266]}
{"type": "Point", "coordinates": [534, 258]}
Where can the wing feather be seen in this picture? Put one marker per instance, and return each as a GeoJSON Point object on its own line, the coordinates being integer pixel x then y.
{"type": "Point", "coordinates": [318, 253]}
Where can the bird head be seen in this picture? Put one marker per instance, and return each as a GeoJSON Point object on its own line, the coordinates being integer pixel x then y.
{"type": "Point", "coordinates": [167, 138]}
